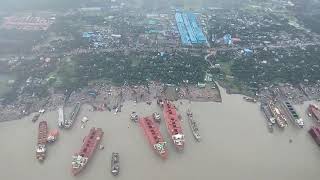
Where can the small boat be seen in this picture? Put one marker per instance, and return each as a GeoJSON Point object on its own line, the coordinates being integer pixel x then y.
{"type": "Point", "coordinates": [35, 117]}
{"type": "Point", "coordinates": [134, 116]}
{"type": "Point", "coordinates": [193, 125]}
{"type": "Point", "coordinates": [156, 117]}
{"type": "Point", "coordinates": [270, 127]}
{"type": "Point", "coordinates": [53, 136]}
{"type": "Point", "coordinates": [249, 99]}
{"type": "Point", "coordinates": [115, 164]}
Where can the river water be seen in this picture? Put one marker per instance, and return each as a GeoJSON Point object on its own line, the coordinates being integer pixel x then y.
{"type": "Point", "coordinates": [236, 145]}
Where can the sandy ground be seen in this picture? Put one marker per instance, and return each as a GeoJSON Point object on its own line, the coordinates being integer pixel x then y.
{"type": "Point", "coordinates": [236, 145]}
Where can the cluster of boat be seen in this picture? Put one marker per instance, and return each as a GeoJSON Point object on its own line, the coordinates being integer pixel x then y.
{"type": "Point", "coordinates": [90, 143]}
{"type": "Point", "coordinates": [150, 127]}
{"type": "Point", "coordinates": [278, 112]}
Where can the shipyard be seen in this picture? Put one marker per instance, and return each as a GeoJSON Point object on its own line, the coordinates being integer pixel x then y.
{"type": "Point", "coordinates": [146, 89]}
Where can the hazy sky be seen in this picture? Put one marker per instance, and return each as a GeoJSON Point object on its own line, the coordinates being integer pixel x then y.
{"type": "Point", "coordinates": [43, 4]}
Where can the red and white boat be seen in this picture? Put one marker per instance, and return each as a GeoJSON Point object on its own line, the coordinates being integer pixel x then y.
{"type": "Point", "coordinates": [154, 136]}
{"type": "Point", "coordinates": [314, 111]}
{"type": "Point", "coordinates": [173, 123]}
{"type": "Point", "coordinates": [90, 144]}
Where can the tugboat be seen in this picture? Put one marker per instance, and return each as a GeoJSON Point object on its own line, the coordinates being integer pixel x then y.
{"type": "Point", "coordinates": [249, 99]}
{"type": "Point", "coordinates": [115, 164]}
{"type": "Point", "coordinates": [90, 144]}
{"type": "Point", "coordinates": [193, 125]}
{"type": "Point", "coordinates": [270, 127]}
{"type": "Point", "coordinates": [42, 141]}
{"type": "Point", "coordinates": [134, 117]}
{"type": "Point", "coordinates": [53, 136]}
{"type": "Point", "coordinates": [173, 125]}
{"type": "Point", "coordinates": [35, 117]}
{"type": "Point", "coordinates": [156, 117]}
{"type": "Point", "coordinates": [160, 102]}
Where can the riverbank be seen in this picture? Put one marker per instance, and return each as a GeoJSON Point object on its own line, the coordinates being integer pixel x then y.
{"type": "Point", "coordinates": [104, 94]}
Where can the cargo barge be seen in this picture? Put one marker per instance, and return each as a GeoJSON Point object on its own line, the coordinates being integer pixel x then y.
{"type": "Point", "coordinates": [314, 112]}
{"type": "Point", "coordinates": [173, 125]}
{"type": "Point", "coordinates": [315, 134]}
{"type": "Point", "coordinates": [295, 118]}
{"type": "Point", "coordinates": [42, 141]}
{"type": "Point", "coordinates": [154, 136]}
{"type": "Point", "coordinates": [73, 116]}
{"type": "Point", "coordinates": [193, 125]}
{"type": "Point", "coordinates": [90, 144]}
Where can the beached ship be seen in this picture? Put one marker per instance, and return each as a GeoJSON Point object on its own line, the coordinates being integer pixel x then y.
{"type": "Point", "coordinates": [42, 141]}
{"type": "Point", "coordinates": [73, 116]}
{"type": "Point", "coordinates": [314, 112]}
{"type": "Point", "coordinates": [193, 125]}
{"type": "Point", "coordinates": [154, 136]}
{"type": "Point", "coordinates": [90, 144]}
{"type": "Point", "coordinates": [60, 117]}
{"type": "Point", "coordinates": [278, 115]}
{"type": "Point", "coordinates": [173, 124]}
{"type": "Point", "coordinates": [267, 112]}
{"type": "Point", "coordinates": [315, 134]}
{"type": "Point", "coordinates": [295, 118]}
{"type": "Point", "coordinates": [115, 163]}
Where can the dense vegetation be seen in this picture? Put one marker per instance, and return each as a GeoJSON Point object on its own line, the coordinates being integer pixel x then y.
{"type": "Point", "coordinates": [133, 69]}
{"type": "Point", "coordinates": [267, 67]}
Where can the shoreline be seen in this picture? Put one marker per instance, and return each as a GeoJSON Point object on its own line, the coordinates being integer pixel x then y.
{"type": "Point", "coordinates": [114, 96]}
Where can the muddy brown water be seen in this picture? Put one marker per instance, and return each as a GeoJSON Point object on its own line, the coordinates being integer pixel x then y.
{"type": "Point", "coordinates": [236, 145]}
